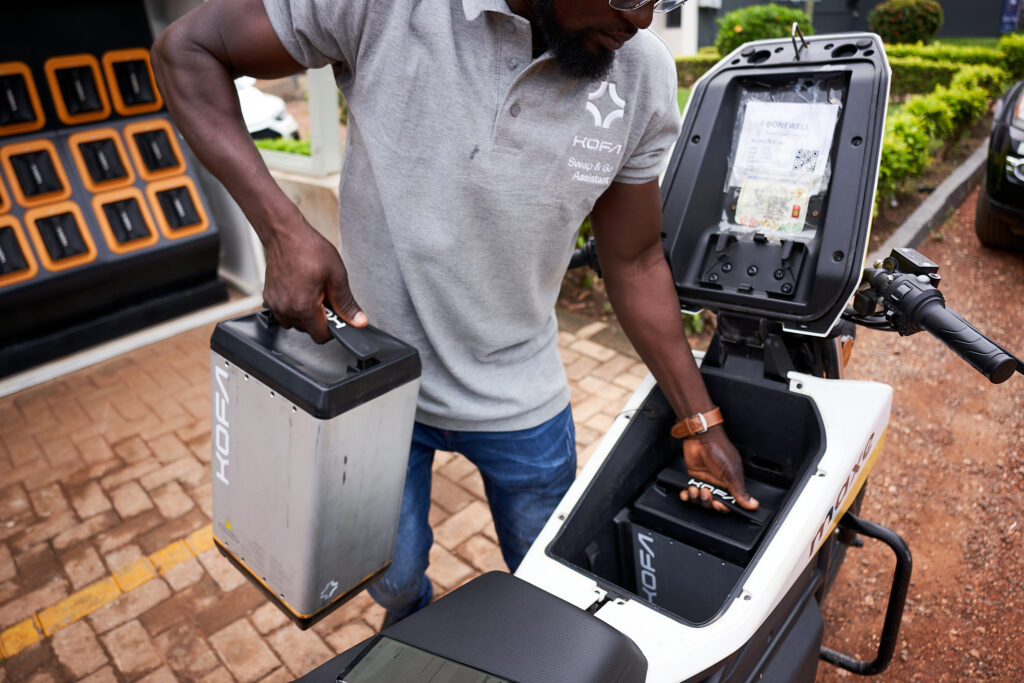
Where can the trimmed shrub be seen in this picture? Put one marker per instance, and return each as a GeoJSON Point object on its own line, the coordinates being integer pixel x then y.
{"type": "Point", "coordinates": [914, 75]}
{"type": "Point", "coordinates": [992, 79]}
{"type": "Point", "coordinates": [906, 21]}
{"type": "Point", "coordinates": [904, 153]}
{"type": "Point", "coordinates": [938, 52]}
{"type": "Point", "coordinates": [932, 114]}
{"type": "Point", "coordinates": [692, 67]}
{"type": "Point", "coordinates": [758, 22]}
{"type": "Point", "coordinates": [1011, 46]}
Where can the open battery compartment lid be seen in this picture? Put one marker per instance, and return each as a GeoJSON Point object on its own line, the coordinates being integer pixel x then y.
{"type": "Point", "coordinates": [768, 197]}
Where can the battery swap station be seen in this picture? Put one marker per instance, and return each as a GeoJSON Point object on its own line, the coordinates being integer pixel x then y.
{"type": "Point", "coordinates": [104, 226]}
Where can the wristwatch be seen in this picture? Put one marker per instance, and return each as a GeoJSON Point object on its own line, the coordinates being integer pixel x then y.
{"type": "Point", "coordinates": [697, 424]}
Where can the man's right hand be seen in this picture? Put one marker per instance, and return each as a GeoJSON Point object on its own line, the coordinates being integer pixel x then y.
{"type": "Point", "coordinates": [304, 273]}
{"type": "Point", "coordinates": [195, 61]}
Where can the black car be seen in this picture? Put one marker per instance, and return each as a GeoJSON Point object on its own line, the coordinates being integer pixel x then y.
{"type": "Point", "coordinates": [999, 218]}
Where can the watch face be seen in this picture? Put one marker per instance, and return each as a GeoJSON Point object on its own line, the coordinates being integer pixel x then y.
{"type": "Point", "coordinates": [390, 660]}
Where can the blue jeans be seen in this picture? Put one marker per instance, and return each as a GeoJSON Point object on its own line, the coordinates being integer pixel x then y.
{"type": "Point", "coordinates": [525, 474]}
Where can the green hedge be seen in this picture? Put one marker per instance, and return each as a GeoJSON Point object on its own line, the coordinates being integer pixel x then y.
{"type": "Point", "coordinates": [966, 54]}
{"type": "Point", "coordinates": [692, 67]}
{"type": "Point", "coordinates": [1012, 48]}
{"type": "Point", "coordinates": [914, 74]}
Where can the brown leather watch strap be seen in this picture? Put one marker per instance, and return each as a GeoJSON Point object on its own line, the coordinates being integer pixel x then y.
{"type": "Point", "coordinates": [697, 424]}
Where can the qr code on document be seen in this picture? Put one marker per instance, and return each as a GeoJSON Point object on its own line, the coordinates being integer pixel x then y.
{"type": "Point", "coordinates": [805, 161]}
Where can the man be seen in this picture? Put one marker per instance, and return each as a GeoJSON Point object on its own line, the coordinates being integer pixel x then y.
{"type": "Point", "coordinates": [481, 133]}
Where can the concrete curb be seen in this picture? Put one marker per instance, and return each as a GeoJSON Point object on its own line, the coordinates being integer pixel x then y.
{"type": "Point", "coordinates": [933, 210]}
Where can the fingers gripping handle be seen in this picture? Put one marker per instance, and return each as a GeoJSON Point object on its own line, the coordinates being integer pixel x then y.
{"type": "Point", "coordinates": [968, 343]}
{"type": "Point", "coordinates": [354, 339]}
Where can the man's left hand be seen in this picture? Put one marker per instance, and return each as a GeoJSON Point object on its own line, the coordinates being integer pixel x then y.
{"type": "Point", "coordinates": [712, 457]}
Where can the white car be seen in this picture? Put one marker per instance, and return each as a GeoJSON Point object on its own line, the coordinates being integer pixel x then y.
{"type": "Point", "coordinates": [265, 115]}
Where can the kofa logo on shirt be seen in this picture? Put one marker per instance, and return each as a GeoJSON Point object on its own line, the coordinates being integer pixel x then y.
{"type": "Point", "coordinates": [616, 108]}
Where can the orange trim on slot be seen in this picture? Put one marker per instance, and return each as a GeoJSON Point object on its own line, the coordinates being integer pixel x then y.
{"type": "Point", "coordinates": [95, 135]}
{"type": "Point", "coordinates": [55, 64]}
{"type": "Point", "coordinates": [5, 201]}
{"type": "Point", "coordinates": [130, 55]}
{"type": "Point", "coordinates": [133, 129]}
{"type": "Point", "coordinates": [100, 200]}
{"type": "Point", "coordinates": [9, 68]}
{"type": "Point", "coordinates": [19, 235]}
{"type": "Point", "coordinates": [170, 233]}
{"type": "Point", "coordinates": [41, 144]}
{"type": "Point", "coordinates": [34, 215]}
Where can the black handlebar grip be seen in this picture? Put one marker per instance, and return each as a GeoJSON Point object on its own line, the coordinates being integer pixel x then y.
{"type": "Point", "coordinates": [966, 341]}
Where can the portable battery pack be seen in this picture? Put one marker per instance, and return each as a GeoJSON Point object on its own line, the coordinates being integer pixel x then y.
{"type": "Point", "coordinates": [310, 444]}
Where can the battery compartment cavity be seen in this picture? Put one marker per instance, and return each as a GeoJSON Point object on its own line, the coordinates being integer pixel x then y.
{"type": "Point", "coordinates": [633, 534]}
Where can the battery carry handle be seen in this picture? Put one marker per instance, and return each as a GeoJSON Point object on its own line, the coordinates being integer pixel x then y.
{"type": "Point", "coordinates": [356, 341]}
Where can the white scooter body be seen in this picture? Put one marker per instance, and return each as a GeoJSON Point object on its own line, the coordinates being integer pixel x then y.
{"type": "Point", "coordinates": [855, 415]}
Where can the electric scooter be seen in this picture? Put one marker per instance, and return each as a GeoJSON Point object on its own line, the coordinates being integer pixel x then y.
{"type": "Point", "coordinates": [626, 582]}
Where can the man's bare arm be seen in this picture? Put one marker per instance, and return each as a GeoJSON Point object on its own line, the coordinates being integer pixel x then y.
{"type": "Point", "coordinates": [196, 61]}
{"type": "Point", "coordinates": [627, 229]}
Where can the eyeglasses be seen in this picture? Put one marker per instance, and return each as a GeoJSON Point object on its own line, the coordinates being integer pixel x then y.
{"type": "Point", "coordinates": [660, 6]}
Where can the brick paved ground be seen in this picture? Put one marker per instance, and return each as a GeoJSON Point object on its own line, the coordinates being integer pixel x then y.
{"type": "Point", "coordinates": [107, 570]}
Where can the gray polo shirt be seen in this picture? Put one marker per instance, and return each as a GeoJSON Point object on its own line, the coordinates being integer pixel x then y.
{"type": "Point", "coordinates": [468, 169]}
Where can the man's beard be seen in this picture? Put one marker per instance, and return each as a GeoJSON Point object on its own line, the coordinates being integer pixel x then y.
{"type": "Point", "coordinates": [569, 48]}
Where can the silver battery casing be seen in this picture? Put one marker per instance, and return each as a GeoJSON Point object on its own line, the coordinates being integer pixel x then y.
{"type": "Point", "coordinates": [308, 508]}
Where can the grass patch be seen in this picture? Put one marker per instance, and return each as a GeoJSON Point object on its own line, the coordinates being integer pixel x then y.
{"type": "Point", "coordinates": [285, 145]}
{"type": "Point", "coordinates": [682, 95]}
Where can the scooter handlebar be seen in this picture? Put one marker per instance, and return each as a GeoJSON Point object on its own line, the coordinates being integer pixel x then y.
{"type": "Point", "coordinates": [968, 343]}
{"type": "Point", "coordinates": [914, 304]}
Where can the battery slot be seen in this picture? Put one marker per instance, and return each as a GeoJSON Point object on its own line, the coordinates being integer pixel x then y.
{"type": "Point", "coordinates": [155, 149]}
{"type": "Point", "coordinates": [36, 173]}
{"type": "Point", "coordinates": [79, 90]}
{"type": "Point", "coordinates": [178, 208]}
{"type": "Point", "coordinates": [15, 103]}
{"type": "Point", "coordinates": [12, 258]}
{"type": "Point", "coordinates": [126, 220]}
{"type": "Point", "coordinates": [62, 236]}
{"type": "Point", "coordinates": [103, 161]}
{"type": "Point", "coordinates": [134, 82]}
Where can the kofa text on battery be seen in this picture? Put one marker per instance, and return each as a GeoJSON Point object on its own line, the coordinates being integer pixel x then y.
{"type": "Point", "coordinates": [221, 435]}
